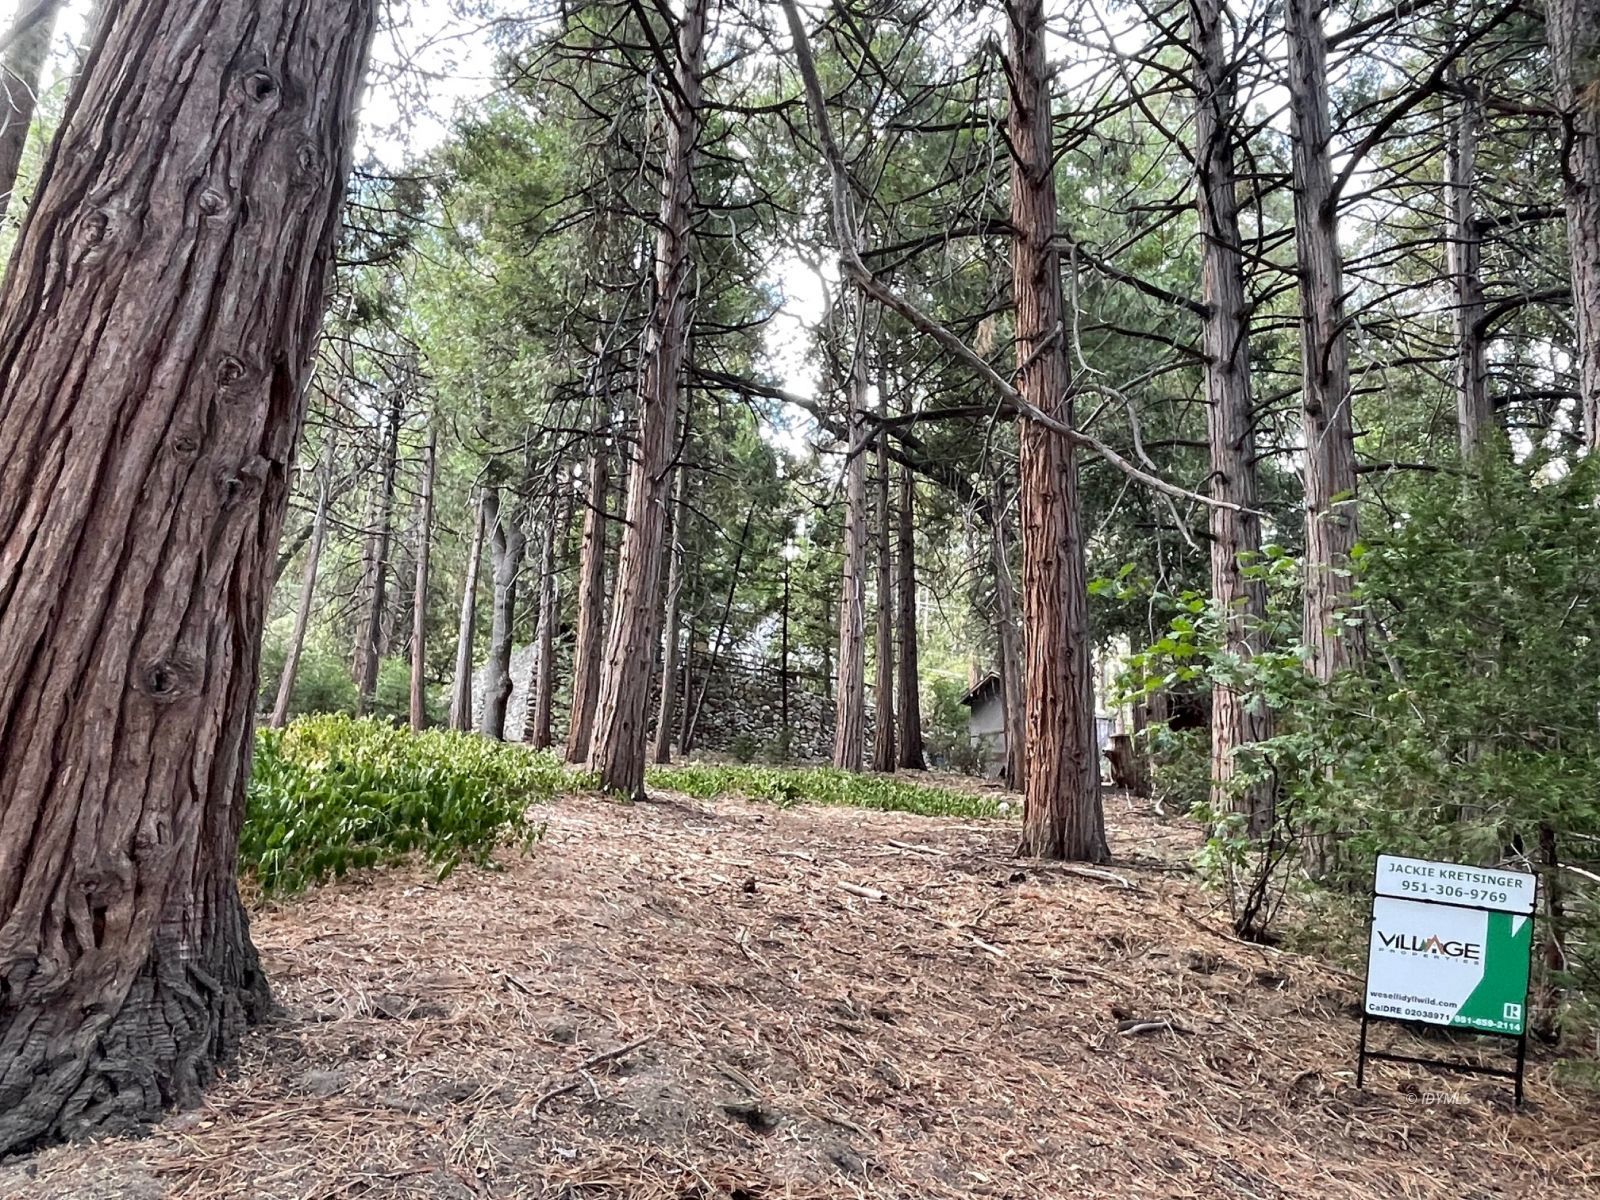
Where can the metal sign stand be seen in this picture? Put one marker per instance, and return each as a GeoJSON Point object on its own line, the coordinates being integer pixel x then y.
{"type": "Point", "coordinates": [1516, 1074]}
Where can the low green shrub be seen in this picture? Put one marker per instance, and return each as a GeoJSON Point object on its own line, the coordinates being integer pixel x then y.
{"type": "Point", "coordinates": [819, 785]}
{"type": "Point", "coordinates": [331, 793]}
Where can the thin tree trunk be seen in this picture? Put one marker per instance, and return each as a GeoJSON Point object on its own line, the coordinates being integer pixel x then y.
{"type": "Point", "coordinates": [370, 651]}
{"type": "Point", "coordinates": [308, 588]}
{"type": "Point", "coordinates": [1572, 28]}
{"type": "Point", "coordinates": [1463, 253]}
{"type": "Point", "coordinates": [149, 414]}
{"type": "Point", "coordinates": [542, 687]}
{"type": "Point", "coordinates": [686, 690]}
{"type": "Point", "coordinates": [21, 71]}
{"type": "Point", "coordinates": [1230, 430]}
{"type": "Point", "coordinates": [1061, 807]}
{"type": "Point", "coordinates": [910, 706]}
{"type": "Point", "coordinates": [620, 742]}
{"type": "Point", "coordinates": [467, 627]}
{"type": "Point", "coordinates": [1328, 424]}
{"type": "Point", "coordinates": [883, 727]}
{"type": "Point", "coordinates": [506, 544]}
{"type": "Point", "coordinates": [586, 656]}
{"type": "Point", "coordinates": [661, 752]}
{"type": "Point", "coordinates": [419, 597]}
{"type": "Point", "coordinates": [1012, 681]}
{"type": "Point", "coordinates": [722, 628]}
{"type": "Point", "coordinates": [850, 701]}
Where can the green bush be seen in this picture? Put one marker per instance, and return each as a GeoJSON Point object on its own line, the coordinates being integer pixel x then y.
{"type": "Point", "coordinates": [819, 785]}
{"type": "Point", "coordinates": [322, 682]}
{"type": "Point", "coordinates": [331, 793]}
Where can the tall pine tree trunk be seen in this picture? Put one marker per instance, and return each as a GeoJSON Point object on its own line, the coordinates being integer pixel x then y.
{"type": "Point", "coordinates": [542, 686]}
{"type": "Point", "coordinates": [883, 727]}
{"type": "Point", "coordinates": [666, 711]}
{"type": "Point", "coordinates": [1230, 430]}
{"type": "Point", "coordinates": [183, 229]}
{"type": "Point", "coordinates": [1573, 32]}
{"type": "Point", "coordinates": [850, 701]}
{"type": "Point", "coordinates": [1328, 425]}
{"type": "Point", "coordinates": [419, 595]}
{"type": "Point", "coordinates": [1463, 255]}
{"type": "Point", "coordinates": [369, 651]}
{"type": "Point", "coordinates": [308, 588]}
{"type": "Point", "coordinates": [620, 741]}
{"type": "Point", "coordinates": [910, 706]}
{"type": "Point", "coordinates": [467, 627]}
{"type": "Point", "coordinates": [21, 72]}
{"type": "Point", "coordinates": [586, 655]}
{"type": "Point", "coordinates": [1061, 807]}
{"type": "Point", "coordinates": [506, 544]}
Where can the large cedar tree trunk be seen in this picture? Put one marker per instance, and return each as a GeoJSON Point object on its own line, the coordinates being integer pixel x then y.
{"type": "Point", "coordinates": [1573, 31]}
{"type": "Point", "coordinates": [1328, 424]}
{"type": "Point", "coordinates": [506, 544]}
{"type": "Point", "coordinates": [1061, 807]}
{"type": "Point", "coordinates": [618, 749]}
{"type": "Point", "coordinates": [590, 639]}
{"type": "Point", "coordinates": [467, 627]}
{"type": "Point", "coordinates": [910, 706]}
{"type": "Point", "coordinates": [183, 230]}
{"type": "Point", "coordinates": [883, 727]}
{"type": "Point", "coordinates": [419, 596]}
{"type": "Point", "coordinates": [308, 590]}
{"type": "Point", "coordinates": [1230, 430]}
{"type": "Point", "coordinates": [21, 71]}
{"type": "Point", "coordinates": [850, 701]}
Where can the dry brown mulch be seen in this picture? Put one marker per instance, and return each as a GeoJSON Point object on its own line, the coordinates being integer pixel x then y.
{"type": "Point", "coordinates": [710, 1001]}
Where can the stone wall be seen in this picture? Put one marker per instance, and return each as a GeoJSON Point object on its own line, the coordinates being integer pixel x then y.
{"type": "Point", "coordinates": [742, 714]}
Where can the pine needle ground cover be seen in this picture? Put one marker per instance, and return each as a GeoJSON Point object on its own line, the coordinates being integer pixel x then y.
{"type": "Point", "coordinates": [712, 999]}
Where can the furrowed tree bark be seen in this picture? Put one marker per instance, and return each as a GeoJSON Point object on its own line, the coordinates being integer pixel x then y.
{"type": "Point", "coordinates": [587, 653]}
{"type": "Point", "coordinates": [883, 728]}
{"type": "Point", "coordinates": [21, 71]}
{"type": "Point", "coordinates": [666, 711]}
{"type": "Point", "coordinates": [1008, 637]}
{"type": "Point", "coordinates": [542, 688]}
{"type": "Point", "coordinates": [506, 545]}
{"type": "Point", "coordinates": [850, 700]}
{"type": "Point", "coordinates": [369, 654]}
{"type": "Point", "coordinates": [1463, 255]}
{"type": "Point", "coordinates": [1572, 28]}
{"type": "Point", "coordinates": [466, 627]}
{"type": "Point", "coordinates": [1328, 424]}
{"type": "Point", "coordinates": [620, 741]}
{"type": "Point", "coordinates": [1230, 430]}
{"type": "Point", "coordinates": [1061, 802]}
{"type": "Point", "coordinates": [419, 597]}
{"type": "Point", "coordinates": [157, 326]}
{"type": "Point", "coordinates": [308, 588]}
{"type": "Point", "coordinates": [910, 706]}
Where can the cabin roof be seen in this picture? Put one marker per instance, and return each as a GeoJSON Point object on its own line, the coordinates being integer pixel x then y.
{"type": "Point", "coordinates": [982, 690]}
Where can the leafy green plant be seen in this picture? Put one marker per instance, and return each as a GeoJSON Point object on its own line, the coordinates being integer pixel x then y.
{"type": "Point", "coordinates": [330, 793]}
{"type": "Point", "coordinates": [787, 786]}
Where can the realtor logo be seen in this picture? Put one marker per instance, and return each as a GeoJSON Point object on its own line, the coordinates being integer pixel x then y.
{"type": "Point", "coordinates": [1513, 1012]}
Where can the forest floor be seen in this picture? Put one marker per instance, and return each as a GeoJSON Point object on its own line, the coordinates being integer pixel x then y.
{"type": "Point", "coordinates": [709, 1001]}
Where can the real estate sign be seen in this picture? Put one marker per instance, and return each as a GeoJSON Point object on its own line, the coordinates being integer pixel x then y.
{"type": "Point", "coordinates": [1450, 945]}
